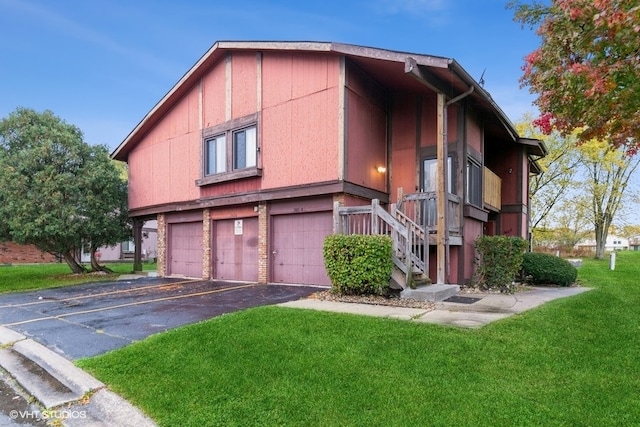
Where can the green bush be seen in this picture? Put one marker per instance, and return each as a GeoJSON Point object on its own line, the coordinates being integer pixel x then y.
{"type": "Point", "coordinates": [546, 269]}
{"type": "Point", "coordinates": [500, 261]}
{"type": "Point", "coordinates": [358, 264]}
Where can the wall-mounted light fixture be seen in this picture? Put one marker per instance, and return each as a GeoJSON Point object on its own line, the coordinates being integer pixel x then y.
{"type": "Point", "coordinates": [381, 169]}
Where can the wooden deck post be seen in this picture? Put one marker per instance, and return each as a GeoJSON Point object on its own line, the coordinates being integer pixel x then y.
{"type": "Point", "coordinates": [441, 191]}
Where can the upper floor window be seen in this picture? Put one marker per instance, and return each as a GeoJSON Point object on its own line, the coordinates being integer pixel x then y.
{"type": "Point", "coordinates": [244, 148]}
{"type": "Point", "coordinates": [230, 151]}
{"type": "Point", "coordinates": [474, 183]}
{"type": "Point", "coordinates": [216, 155]}
{"type": "Point", "coordinates": [430, 175]}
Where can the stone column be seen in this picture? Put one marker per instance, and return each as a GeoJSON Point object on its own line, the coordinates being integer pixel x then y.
{"type": "Point", "coordinates": [263, 246]}
{"type": "Point", "coordinates": [162, 245]}
{"type": "Point", "coordinates": [206, 244]}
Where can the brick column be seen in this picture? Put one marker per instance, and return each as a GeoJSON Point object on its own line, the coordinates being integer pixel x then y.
{"type": "Point", "coordinates": [263, 246]}
{"type": "Point", "coordinates": [161, 249]}
{"type": "Point", "coordinates": [206, 244]}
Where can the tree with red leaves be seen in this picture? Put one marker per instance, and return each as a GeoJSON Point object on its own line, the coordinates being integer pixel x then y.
{"type": "Point", "coordinates": [586, 71]}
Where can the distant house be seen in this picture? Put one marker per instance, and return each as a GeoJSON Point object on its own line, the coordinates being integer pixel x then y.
{"type": "Point", "coordinates": [634, 243]}
{"type": "Point", "coordinates": [124, 251]}
{"type": "Point", "coordinates": [613, 243]}
{"type": "Point", "coordinates": [248, 160]}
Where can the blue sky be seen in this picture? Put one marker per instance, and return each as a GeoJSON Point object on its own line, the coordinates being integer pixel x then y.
{"type": "Point", "coordinates": [103, 64]}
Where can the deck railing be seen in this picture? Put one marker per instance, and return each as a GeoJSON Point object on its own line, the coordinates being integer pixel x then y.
{"type": "Point", "coordinates": [422, 209]}
{"type": "Point", "coordinates": [492, 190]}
{"type": "Point", "coordinates": [409, 253]}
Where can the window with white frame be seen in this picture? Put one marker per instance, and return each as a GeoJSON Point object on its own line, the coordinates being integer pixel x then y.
{"type": "Point", "coordinates": [216, 155]}
{"type": "Point", "coordinates": [244, 148]}
{"type": "Point", "coordinates": [230, 151]}
{"type": "Point", "coordinates": [473, 194]}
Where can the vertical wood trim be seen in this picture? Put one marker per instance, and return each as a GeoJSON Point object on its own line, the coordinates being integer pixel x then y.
{"type": "Point", "coordinates": [259, 81]}
{"type": "Point", "coordinates": [342, 113]}
{"type": "Point", "coordinates": [418, 144]}
{"type": "Point", "coordinates": [442, 191]}
{"type": "Point", "coordinates": [460, 168]}
{"type": "Point", "coordinates": [228, 88]}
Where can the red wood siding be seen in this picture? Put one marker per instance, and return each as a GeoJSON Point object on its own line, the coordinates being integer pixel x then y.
{"type": "Point", "coordinates": [403, 143]}
{"type": "Point", "coordinates": [244, 83]}
{"type": "Point", "coordinates": [235, 249]}
{"type": "Point", "coordinates": [366, 131]}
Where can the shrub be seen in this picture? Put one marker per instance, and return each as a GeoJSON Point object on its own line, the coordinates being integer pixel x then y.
{"type": "Point", "coordinates": [545, 269]}
{"type": "Point", "coordinates": [500, 261]}
{"type": "Point", "coordinates": [358, 264]}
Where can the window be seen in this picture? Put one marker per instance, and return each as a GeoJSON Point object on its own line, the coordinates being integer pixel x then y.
{"type": "Point", "coordinates": [474, 184]}
{"type": "Point", "coordinates": [216, 157]}
{"type": "Point", "coordinates": [231, 151]}
{"type": "Point", "coordinates": [430, 175]}
{"type": "Point", "coordinates": [244, 148]}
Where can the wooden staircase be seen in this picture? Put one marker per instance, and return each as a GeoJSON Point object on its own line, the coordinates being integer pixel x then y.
{"type": "Point", "coordinates": [410, 245]}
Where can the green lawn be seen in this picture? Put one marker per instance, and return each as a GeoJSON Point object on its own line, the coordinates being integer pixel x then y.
{"type": "Point", "coordinates": [571, 362]}
{"type": "Point", "coordinates": [24, 277]}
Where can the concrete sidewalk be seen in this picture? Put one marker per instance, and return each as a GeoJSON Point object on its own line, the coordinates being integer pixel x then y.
{"type": "Point", "coordinates": [486, 309]}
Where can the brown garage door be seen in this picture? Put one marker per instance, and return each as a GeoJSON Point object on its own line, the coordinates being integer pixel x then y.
{"type": "Point", "coordinates": [185, 249]}
{"type": "Point", "coordinates": [236, 249]}
{"type": "Point", "coordinates": [297, 247]}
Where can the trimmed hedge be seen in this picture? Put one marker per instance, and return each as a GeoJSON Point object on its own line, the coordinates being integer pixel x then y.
{"type": "Point", "coordinates": [500, 261]}
{"type": "Point", "coordinates": [546, 269]}
{"type": "Point", "coordinates": [358, 264]}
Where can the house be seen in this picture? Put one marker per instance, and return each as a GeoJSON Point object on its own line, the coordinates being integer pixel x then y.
{"type": "Point", "coordinates": [634, 243]}
{"type": "Point", "coordinates": [124, 251]}
{"type": "Point", "coordinates": [245, 160]}
{"type": "Point", "coordinates": [613, 243]}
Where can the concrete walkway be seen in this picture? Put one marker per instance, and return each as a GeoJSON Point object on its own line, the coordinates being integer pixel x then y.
{"type": "Point", "coordinates": [486, 309]}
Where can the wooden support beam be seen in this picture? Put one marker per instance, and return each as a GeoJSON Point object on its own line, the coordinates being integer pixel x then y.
{"type": "Point", "coordinates": [441, 191]}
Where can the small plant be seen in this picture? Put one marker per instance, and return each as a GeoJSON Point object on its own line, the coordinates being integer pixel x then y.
{"type": "Point", "coordinates": [546, 269]}
{"type": "Point", "coordinates": [358, 264]}
{"type": "Point", "coordinates": [500, 260]}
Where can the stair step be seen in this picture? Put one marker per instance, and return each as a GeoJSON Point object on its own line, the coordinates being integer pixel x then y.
{"type": "Point", "coordinates": [437, 292]}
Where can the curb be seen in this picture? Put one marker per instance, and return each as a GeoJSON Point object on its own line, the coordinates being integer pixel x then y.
{"type": "Point", "coordinates": [64, 390]}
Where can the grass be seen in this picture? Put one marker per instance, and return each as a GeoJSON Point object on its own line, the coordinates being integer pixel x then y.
{"type": "Point", "coordinates": [27, 277]}
{"type": "Point", "coordinates": [573, 361]}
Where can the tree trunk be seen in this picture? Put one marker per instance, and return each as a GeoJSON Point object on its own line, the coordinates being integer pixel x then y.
{"type": "Point", "coordinates": [95, 266]}
{"type": "Point", "coordinates": [73, 264]}
{"type": "Point", "coordinates": [602, 230]}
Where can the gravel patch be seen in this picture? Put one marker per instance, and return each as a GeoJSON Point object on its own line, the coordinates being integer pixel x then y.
{"type": "Point", "coordinates": [392, 300]}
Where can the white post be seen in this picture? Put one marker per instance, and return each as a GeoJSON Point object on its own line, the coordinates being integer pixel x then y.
{"type": "Point", "coordinates": [612, 261]}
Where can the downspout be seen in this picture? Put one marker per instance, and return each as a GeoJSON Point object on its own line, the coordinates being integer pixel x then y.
{"type": "Point", "coordinates": [444, 269]}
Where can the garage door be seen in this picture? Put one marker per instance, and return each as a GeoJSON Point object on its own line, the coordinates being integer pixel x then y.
{"type": "Point", "coordinates": [235, 249]}
{"type": "Point", "coordinates": [297, 241]}
{"type": "Point", "coordinates": [185, 249]}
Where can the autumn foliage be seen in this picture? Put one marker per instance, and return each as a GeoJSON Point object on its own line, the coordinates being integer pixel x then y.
{"type": "Point", "coordinates": [586, 71]}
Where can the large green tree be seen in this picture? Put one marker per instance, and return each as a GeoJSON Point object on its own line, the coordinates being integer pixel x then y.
{"type": "Point", "coordinates": [606, 178]}
{"type": "Point", "coordinates": [56, 191]}
{"type": "Point", "coordinates": [559, 167]}
{"type": "Point", "coordinates": [585, 71]}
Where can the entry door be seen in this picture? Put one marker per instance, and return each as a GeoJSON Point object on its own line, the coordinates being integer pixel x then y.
{"type": "Point", "coordinates": [297, 241]}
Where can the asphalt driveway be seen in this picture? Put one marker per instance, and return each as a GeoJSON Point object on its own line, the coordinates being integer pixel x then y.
{"type": "Point", "coordinates": [91, 319]}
